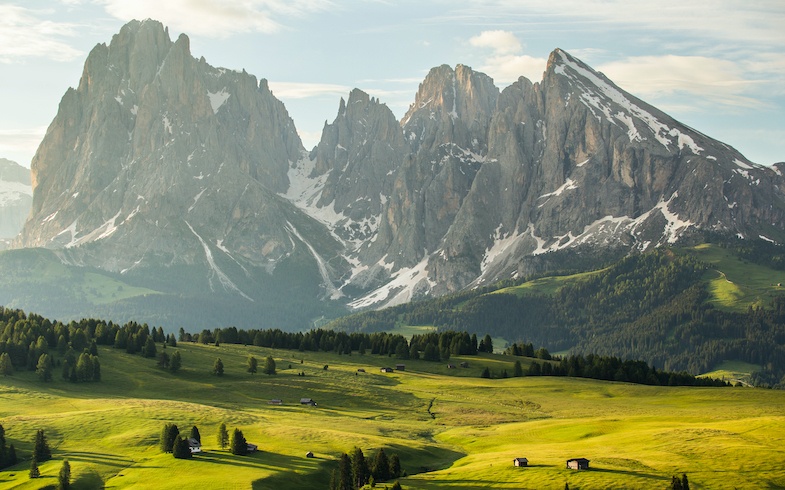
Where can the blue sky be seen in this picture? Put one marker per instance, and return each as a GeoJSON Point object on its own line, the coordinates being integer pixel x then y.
{"type": "Point", "coordinates": [716, 65]}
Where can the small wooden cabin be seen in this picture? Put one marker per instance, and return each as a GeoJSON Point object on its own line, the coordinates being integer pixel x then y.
{"type": "Point", "coordinates": [400, 367]}
{"type": "Point", "coordinates": [520, 462]}
{"type": "Point", "coordinates": [578, 464]}
{"type": "Point", "coordinates": [386, 370]}
{"type": "Point", "coordinates": [307, 401]}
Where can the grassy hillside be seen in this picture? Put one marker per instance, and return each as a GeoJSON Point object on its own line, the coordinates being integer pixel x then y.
{"type": "Point", "coordinates": [451, 428]}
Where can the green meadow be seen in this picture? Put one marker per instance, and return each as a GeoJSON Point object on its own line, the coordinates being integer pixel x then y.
{"type": "Point", "coordinates": [450, 428]}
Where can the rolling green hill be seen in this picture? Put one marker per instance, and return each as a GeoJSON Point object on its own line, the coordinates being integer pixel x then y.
{"type": "Point", "coordinates": [679, 309]}
{"type": "Point", "coordinates": [450, 431]}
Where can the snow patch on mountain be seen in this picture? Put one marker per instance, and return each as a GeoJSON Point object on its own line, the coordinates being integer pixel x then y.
{"type": "Point", "coordinates": [405, 284]}
{"type": "Point", "coordinates": [217, 99]}
{"type": "Point", "coordinates": [13, 191]}
{"type": "Point", "coordinates": [227, 283]}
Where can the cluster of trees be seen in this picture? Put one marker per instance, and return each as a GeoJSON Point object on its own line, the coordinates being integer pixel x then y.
{"type": "Point", "coordinates": [650, 306]}
{"type": "Point", "coordinates": [611, 368]}
{"type": "Point", "coordinates": [679, 483]}
{"type": "Point", "coordinates": [171, 441]}
{"type": "Point", "coordinates": [355, 471]}
{"type": "Point", "coordinates": [7, 452]}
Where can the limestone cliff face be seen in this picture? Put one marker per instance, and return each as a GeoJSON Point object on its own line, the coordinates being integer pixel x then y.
{"type": "Point", "coordinates": [158, 161]}
{"type": "Point", "coordinates": [447, 129]}
{"type": "Point", "coordinates": [159, 158]}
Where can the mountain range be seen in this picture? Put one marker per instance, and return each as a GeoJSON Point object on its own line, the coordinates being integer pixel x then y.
{"type": "Point", "coordinates": [187, 190]}
{"type": "Point", "coordinates": [16, 198]}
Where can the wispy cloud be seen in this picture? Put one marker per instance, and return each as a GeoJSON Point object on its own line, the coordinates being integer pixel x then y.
{"type": "Point", "coordinates": [25, 33]}
{"type": "Point", "coordinates": [712, 80]}
{"type": "Point", "coordinates": [506, 64]}
{"type": "Point", "coordinates": [216, 18]}
{"type": "Point", "coordinates": [21, 144]}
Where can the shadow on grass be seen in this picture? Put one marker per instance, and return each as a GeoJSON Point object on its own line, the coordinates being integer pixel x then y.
{"type": "Point", "coordinates": [98, 458]}
{"type": "Point", "coordinates": [260, 460]}
{"type": "Point", "coordinates": [638, 474]}
{"type": "Point", "coordinates": [88, 481]}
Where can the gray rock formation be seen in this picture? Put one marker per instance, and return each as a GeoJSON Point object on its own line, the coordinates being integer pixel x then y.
{"type": "Point", "coordinates": [159, 163]}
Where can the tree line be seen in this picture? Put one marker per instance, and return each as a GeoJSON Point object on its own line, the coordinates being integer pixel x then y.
{"type": "Point", "coordinates": [355, 471]}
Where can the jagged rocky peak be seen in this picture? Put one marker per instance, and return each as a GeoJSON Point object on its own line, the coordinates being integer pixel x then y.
{"type": "Point", "coordinates": [452, 106]}
{"type": "Point", "coordinates": [149, 155]}
{"type": "Point", "coordinates": [351, 171]}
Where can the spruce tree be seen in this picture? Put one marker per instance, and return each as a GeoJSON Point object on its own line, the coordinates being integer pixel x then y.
{"type": "Point", "coordinates": [149, 349]}
{"type": "Point", "coordinates": [252, 364]}
{"type": "Point", "coordinates": [64, 479]}
{"type": "Point", "coordinates": [269, 365]}
{"type": "Point", "coordinates": [175, 363]}
{"type": "Point", "coordinates": [345, 473]}
{"type": "Point", "coordinates": [359, 467]}
{"type": "Point", "coordinates": [381, 466]}
{"type": "Point", "coordinates": [34, 471]}
{"type": "Point", "coordinates": [44, 368]}
{"type": "Point", "coordinates": [395, 466]}
{"type": "Point", "coordinates": [195, 434]}
{"type": "Point", "coordinates": [6, 366]}
{"type": "Point", "coordinates": [180, 448]}
{"type": "Point", "coordinates": [223, 436]}
{"type": "Point", "coordinates": [218, 367]}
{"type": "Point", "coordinates": [238, 445]}
{"type": "Point", "coordinates": [168, 435]}
{"type": "Point", "coordinates": [396, 486]}
{"type": "Point", "coordinates": [41, 449]}
{"type": "Point", "coordinates": [486, 373]}
{"type": "Point", "coordinates": [685, 484]}
{"type": "Point", "coordinates": [517, 371]}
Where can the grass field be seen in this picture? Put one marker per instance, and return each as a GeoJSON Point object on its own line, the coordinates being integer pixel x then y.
{"type": "Point", "coordinates": [735, 284]}
{"type": "Point", "coordinates": [450, 428]}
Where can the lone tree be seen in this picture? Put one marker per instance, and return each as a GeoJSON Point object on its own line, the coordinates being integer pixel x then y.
{"type": "Point", "coordinates": [486, 373]}
{"type": "Point", "coordinates": [64, 479]}
{"type": "Point", "coordinates": [34, 471]}
{"type": "Point", "coordinates": [252, 364]}
{"type": "Point", "coordinates": [238, 444]}
{"type": "Point", "coordinates": [269, 365]}
{"type": "Point", "coordinates": [218, 367]}
{"type": "Point", "coordinates": [517, 371]}
{"type": "Point", "coordinates": [168, 435]}
{"type": "Point", "coordinates": [175, 363]}
{"type": "Point", "coordinates": [223, 436]}
{"type": "Point", "coordinates": [41, 450]}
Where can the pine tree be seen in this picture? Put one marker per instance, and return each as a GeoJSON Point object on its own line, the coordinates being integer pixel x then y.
{"type": "Point", "coordinates": [163, 360]}
{"type": "Point", "coordinates": [34, 471]}
{"type": "Point", "coordinates": [64, 479]}
{"type": "Point", "coordinates": [359, 467]}
{"type": "Point", "coordinates": [41, 449]}
{"type": "Point", "coordinates": [269, 365]}
{"type": "Point", "coordinates": [685, 484]}
{"type": "Point", "coordinates": [44, 368]}
{"type": "Point", "coordinates": [395, 466]}
{"type": "Point", "coordinates": [381, 466]}
{"type": "Point", "coordinates": [345, 473]}
{"type": "Point", "coordinates": [149, 349]}
{"type": "Point", "coordinates": [218, 367]}
{"type": "Point", "coordinates": [96, 369]}
{"type": "Point", "coordinates": [223, 436]}
{"type": "Point", "coordinates": [396, 486]}
{"type": "Point", "coordinates": [252, 364]}
{"type": "Point", "coordinates": [517, 371]}
{"type": "Point", "coordinates": [486, 373]}
{"type": "Point", "coordinates": [168, 435]}
{"type": "Point", "coordinates": [675, 483]}
{"type": "Point", "coordinates": [238, 444]}
{"type": "Point", "coordinates": [195, 434]}
{"type": "Point", "coordinates": [180, 448]}
{"type": "Point", "coordinates": [6, 366]}
{"type": "Point", "coordinates": [175, 362]}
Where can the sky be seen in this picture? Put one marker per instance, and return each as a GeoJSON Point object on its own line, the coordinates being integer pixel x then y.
{"type": "Point", "coordinates": [715, 65]}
